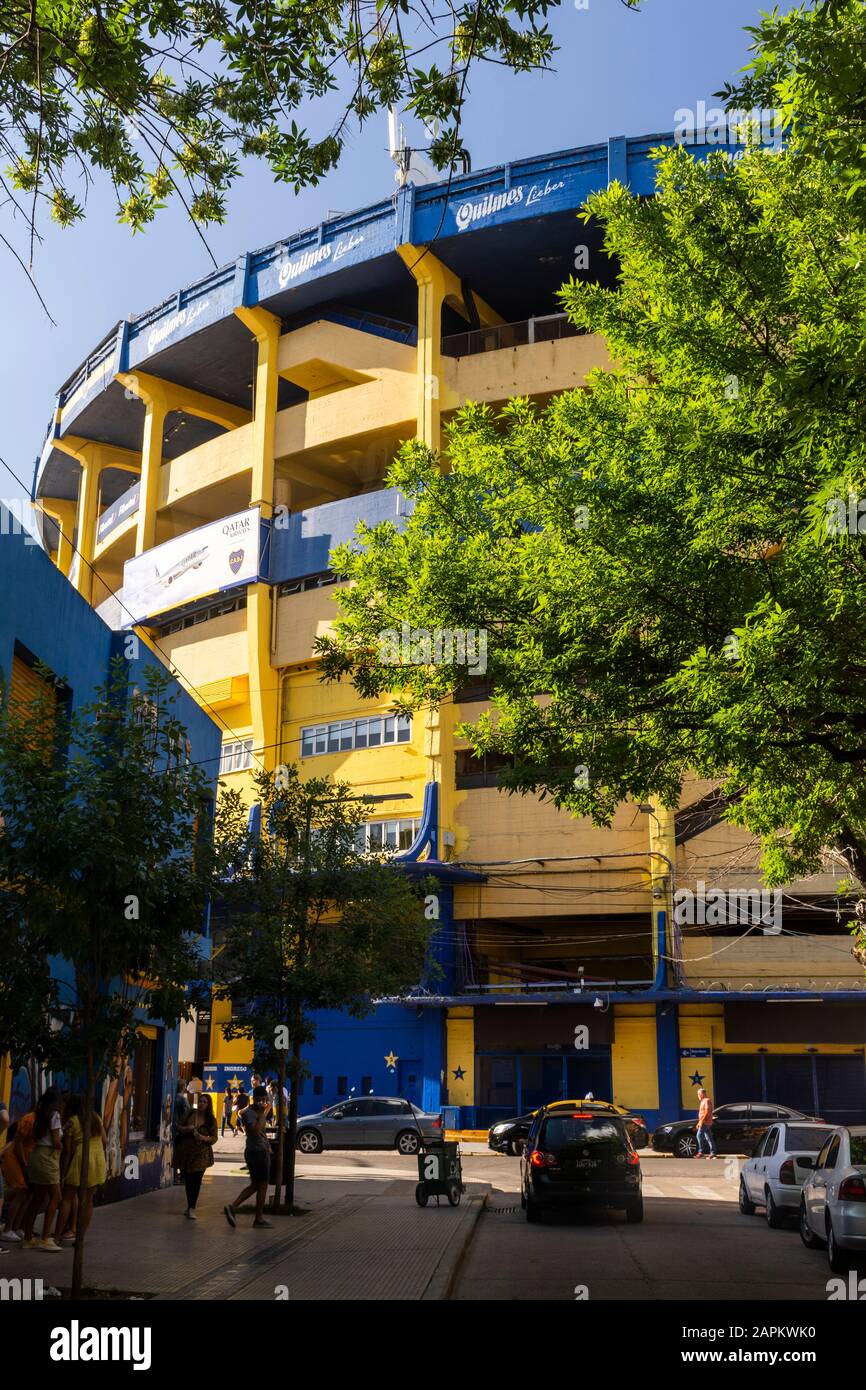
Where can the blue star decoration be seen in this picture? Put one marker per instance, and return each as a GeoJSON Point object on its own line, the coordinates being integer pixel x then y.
{"type": "Point", "coordinates": [697, 1079]}
{"type": "Point", "coordinates": [459, 1073]}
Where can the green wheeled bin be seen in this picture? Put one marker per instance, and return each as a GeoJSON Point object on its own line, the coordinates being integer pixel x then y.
{"type": "Point", "coordinates": [439, 1173]}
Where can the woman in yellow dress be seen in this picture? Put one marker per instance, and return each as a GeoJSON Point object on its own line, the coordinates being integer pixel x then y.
{"type": "Point", "coordinates": [73, 1144]}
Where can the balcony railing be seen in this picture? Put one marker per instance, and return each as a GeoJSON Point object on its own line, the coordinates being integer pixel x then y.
{"type": "Point", "coordinates": [545, 329]}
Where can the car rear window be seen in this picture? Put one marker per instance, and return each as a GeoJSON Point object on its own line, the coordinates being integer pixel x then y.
{"type": "Point", "coordinates": [858, 1150]}
{"type": "Point", "coordinates": [807, 1141]}
{"type": "Point", "coordinates": [562, 1131]}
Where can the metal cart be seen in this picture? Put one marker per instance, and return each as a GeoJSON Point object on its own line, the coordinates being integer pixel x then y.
{"type": "Point", "coordinates": [439, 1173]}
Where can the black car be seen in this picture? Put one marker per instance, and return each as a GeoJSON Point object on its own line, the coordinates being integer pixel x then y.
{"type": "Point", "coordinates": [736, 1129]}
{"type": "Point", "coordinates": [509, 1136]}
{"type": "Point", "coordinates": [580, 1158]}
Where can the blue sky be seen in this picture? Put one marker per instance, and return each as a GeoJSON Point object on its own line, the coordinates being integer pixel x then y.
{"type": "Point", "coordinates": [617, 73]}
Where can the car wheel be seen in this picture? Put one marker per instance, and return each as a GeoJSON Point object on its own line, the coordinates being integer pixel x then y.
{"type": "Point", "coordinates": [838, 1259]}
{"type": "Point", "coordinates": [533, 1211]}
{"type": "Point", "coordinates": [774, 1217]}
{"type": "Point", "coordinates": [421, 1194]}
{"type": "Point", "coordinates": [685, 1146]}
{"type": "Point", "coordinates": [408, 1142]}
{"type": "Point", "coordinates": [309, 1141]}
{"type": "Point", "coordinates": [634, 1211]}
{"type": "Point", "coordinates": [747, 1206]}
{"type": "Point", "coordinates": [807, 1235]}
{"type": "Point", "coordinates": [510, 1149]}
{"type": "Point", "coordinates": [454, 1193]}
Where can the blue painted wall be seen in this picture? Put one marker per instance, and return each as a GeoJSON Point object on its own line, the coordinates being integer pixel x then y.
{"type": "Point", "coordinates": [40, 610]}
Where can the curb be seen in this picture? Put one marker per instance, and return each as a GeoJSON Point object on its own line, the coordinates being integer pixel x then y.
{"type": "Point", "coordinates": [444, 1277]}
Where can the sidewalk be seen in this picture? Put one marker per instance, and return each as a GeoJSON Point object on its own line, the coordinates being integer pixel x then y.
{"type": "Point", "coordinates": [362, 1238]}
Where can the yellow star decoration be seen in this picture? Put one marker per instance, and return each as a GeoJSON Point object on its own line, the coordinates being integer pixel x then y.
{"type": "Point", "coordinates": [209, 1082]}
{"type": "Point", "coordinates": [391, 1061]}
{"type": "Point", "coordinates": [234, 1081]}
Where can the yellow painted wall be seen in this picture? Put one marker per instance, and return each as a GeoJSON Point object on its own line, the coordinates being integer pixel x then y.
{"type": "Point", "coordinates": [634, 1061]}
{"type": "Point", "coordinates": [533, 370]}
{"type": "Point", "coordinates": [238, 1050]}
{"type": "Point", "coordinates": [460, 1055]}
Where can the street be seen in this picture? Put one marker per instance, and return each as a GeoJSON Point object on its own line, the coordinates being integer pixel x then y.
{"type": "Point", "coordinates": [693, 1243]}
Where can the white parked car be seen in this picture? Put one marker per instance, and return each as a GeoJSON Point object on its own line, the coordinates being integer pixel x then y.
{"type": "Point", "coordinates": [781, 1162]}
{"type": "Point", "coordinates": [833, 1202]}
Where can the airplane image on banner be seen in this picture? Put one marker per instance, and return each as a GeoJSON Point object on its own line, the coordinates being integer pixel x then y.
{"type": "Point", "coordinates": [193, 561]}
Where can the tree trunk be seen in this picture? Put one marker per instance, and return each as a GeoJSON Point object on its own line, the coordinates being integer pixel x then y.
{"type": "Point", "coordinates": [89, 1099]}
{"type": "Point", "coordinates": [293, 1111]}
{"type": "Point", "coordinates": [281, 1110]}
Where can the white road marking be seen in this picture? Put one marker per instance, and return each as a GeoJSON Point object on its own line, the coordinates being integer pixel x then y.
{"type": "Point", "coordinates": [650, 1190]}
{"type": "Point", "coordinates": [706, 1193]}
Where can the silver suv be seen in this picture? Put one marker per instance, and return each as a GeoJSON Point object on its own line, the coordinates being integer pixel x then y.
{"type": "Point", "coordinates": [372, 1122]}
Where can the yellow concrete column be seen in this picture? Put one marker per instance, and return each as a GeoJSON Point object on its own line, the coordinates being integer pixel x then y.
{"type": "Point", "coordinates": [437, 285]}
{"type": "Point", "coordinates": [265, 328]}
{"type": "Point", "coordinates": [63, 512]}
{"type": "Point", "coordinates": [154, 394]}
{"type": "Point", "coordinates": [264, 694]}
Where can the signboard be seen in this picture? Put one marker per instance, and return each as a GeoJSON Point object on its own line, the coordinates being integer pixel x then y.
{"type": "Point", "coordinates": [694, 1052]}
{"type": "Point", "coordinates": [213, 557]}
{"type": "Point", "coordinates": [217, 1076]}
{"type": "Point", "coordinates": [118, 511]}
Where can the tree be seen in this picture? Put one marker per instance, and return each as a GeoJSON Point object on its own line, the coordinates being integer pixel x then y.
{"type": "Point", "coordinates": [104, 866]}
{"type": "Point", "coordinates": [309, 922]}
{"type": "Point", "coordinates": [166, 99]}
{"type": "Point", "coordinates": [674, 557]}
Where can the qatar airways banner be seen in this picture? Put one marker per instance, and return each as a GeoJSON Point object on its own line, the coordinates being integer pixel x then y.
{"type": "Point", "coordinates": [214, 557]}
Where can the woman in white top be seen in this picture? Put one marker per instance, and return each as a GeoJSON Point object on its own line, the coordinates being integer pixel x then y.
{"type": "Point", "coordinates": [43, 1171]}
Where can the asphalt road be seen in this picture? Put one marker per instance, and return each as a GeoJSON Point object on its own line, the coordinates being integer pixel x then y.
{"type": "Point", "coordinates": [693, 1243]}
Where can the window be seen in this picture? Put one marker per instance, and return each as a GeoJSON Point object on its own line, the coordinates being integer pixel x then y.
{"type": "Point", "coordinates": [801, 1139]}
{"type": "Point", "coordinates": [236, 757]}
{"type": "Point", "coordinates": [473, 770]}
{"type": "Point", "coordinates": [346, 734]}
{"type": "Point", "coordinates": [318, 1085]}
{"type": "Point", "coordinates": [366, 1085]}
{"type": "Point", "coordinates": [143, 1065]}
{"type": "Point", "coordinates": [832, 1152]}
{"type": "Point", "coordinates": [342, 1085]}
{"type": "Point", "coordinates": [378, 837]}
{"type": "Point", "coordinates": [772, 1143]}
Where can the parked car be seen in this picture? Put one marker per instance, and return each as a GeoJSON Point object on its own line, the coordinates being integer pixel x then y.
{"type": "Point", "coordinates": [509, 1136]}
{"type": "Point", "coordinates": [736, 1129]}
{"type": "Point", "coordinates": [635, 1123]}
{"type": "Point", "coordinates": [579, 1158]}
{"type": "Point", "coordinates": [773, 1177]}
{"type": "Point", "coordinates": [833, 1200]}
{"type": "Point", "coordinates": [371, 1122]}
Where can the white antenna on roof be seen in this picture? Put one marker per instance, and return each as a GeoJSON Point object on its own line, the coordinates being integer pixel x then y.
{"type": "Point", "coordinates": [411, 166]}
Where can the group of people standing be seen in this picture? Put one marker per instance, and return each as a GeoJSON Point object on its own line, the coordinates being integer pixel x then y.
{"type": "Point", "coordinates": [40, 1171]}
{"type": "Point", "coordinates": [236, 1100]}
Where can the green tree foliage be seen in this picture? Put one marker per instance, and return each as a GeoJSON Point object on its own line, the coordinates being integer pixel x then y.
{"type": "Point", "coordinates": [166, 98]}
{"type": "Point", "coordinates": [104, 867]}
{"type": "Point", "coordinates": [673, 558]}
{"type": "Point", "coordinates": [307, 921]}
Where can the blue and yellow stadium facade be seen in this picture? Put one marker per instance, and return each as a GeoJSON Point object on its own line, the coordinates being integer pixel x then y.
{"type": "Point", "coordinates": [200, 466]}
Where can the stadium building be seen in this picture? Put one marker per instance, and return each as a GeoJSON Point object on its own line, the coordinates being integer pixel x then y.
{"type": "Point", "coordinates": [204, 460]}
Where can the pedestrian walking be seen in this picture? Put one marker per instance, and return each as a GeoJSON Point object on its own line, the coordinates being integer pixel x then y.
{"type": "Point", "coordinates": [13, 1161]}
{"type": "Point", "coordinates": [242, 1100]}
{"type": "Point", "coordinates": [69, 1219]}
{"type": "Point", "coordinates": [193, 1153]}
{"type": "Point", "coordinates": [257, 1155]}
{"type": "Point", "coordinates": [228, 1106]}
{"type": "Point", "coordinates": [704, 1129]}
{"type": "Point", "coordinates": [181, 1109]}
{"type": "Point", "coordinates": [44, 1172]}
